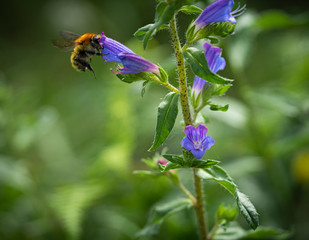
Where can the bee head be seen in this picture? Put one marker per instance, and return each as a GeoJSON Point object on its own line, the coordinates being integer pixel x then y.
{"type": "Point", "coordinates": [95, 42]}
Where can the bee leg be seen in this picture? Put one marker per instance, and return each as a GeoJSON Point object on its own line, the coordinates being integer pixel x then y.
{"type": "Point", "coordinates": [87, 65]}
{"type": "Point", "coordinates": [90, 68]}
{"type": "Point", "coordinates": [101, 54]}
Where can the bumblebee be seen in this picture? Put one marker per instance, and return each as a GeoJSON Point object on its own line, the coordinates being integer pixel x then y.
{"type": "Point", "coordinates": [83, 47]}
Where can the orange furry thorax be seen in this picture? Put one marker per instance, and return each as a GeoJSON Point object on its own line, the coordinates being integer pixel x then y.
{"type": "Point", "coordinates": [84, 39]}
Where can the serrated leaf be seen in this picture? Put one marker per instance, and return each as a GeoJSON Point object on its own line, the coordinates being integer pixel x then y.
{"type": "Point", "coordinates": [215, 107]}
{"type": "Point", "coordinates": [246, 208]}
{"type": "Point", "coordinates": [167, 114]}
{"type": "Point", "coordinates": [199, 66]}
{"type": "Point", "coordinates": [160, 212]}
{"type": "Point", "coordinates": [191, 9]}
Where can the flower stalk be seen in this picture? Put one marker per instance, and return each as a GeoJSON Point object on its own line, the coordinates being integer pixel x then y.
{"type": "Point", "coordinates": [199, 203]}
{"type": "Point", "coordinates": [181, 73]}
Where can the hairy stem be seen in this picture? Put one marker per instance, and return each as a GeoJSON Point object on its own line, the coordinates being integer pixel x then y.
{"type": "Point", "coordinates": [166, 84]}
{"type": "Point", "coordinates": [181, 73]}
{"type": "Point", "coordinates": [199, 207]}
{"type": "Point", "coordinates": [199, 203]}
{"type": "Point", "coordinates": [187, 193]}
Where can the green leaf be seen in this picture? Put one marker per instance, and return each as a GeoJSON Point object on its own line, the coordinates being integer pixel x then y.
{"type": "Point", "coordinates": [70, 204]}
{"type": "Point", "coordinates": [170, 166]}
{"type": "Point", "coordinates": [129, 78]}
{"type": "Point", "coordinates": [144, 173]}
{"type": "Point", "coordinates": [222, 29]}
{"type": "Point", "coordinates": [167, 114]}
{"type": "Point", "coordinates": [203, 164]}
{"type": "Point", "coordinates": [234, 231]}
{"type": "Point", "coordinates": [214, 89]}
{"type": "Point", "coordinates": [178, 159]}
{"type": "Point", "coordinates": [226, 213]}
{"type": "Point", "coordinates": [160, 212]}
{"type": "Point", "coordinates": [215, 107]}
{"type": "Point", "coordinates": [246, 208]}
{"type": "Point", "coordinates": [230, 232]}
{"type": "Point", "coordinates": [164, 14]}
{"type": "Point", "coordinates": [199, 66]}
{"type": "Point", "coordinates": [191, 9]}
{"type": "Point", "coordinates": [268, 233]}
{"type": "Point", "coordinates": [144, 88]}
{"type": "Point", "coordinates": [178, 162]}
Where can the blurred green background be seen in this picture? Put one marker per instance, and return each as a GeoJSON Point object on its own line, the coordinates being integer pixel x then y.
{"type": "Point", "coordinates": [69, 143]}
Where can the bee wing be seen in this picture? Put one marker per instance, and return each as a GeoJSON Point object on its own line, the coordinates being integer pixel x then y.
{"type": "Point", "coordinates": [69, 36]}
{"type": "Point", "coordinates": [67, 43]}
{"type": "Point", "coordinates": [64, 45]}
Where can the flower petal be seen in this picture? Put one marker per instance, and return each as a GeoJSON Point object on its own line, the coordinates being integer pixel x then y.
{"type": "Point", "coordinates": [190, 132]}
{"type": "Point", "coordinates": [133, 63]}
{"type": "Point", "coordinates": [213, 57]}
{"type": "Point", "coordinates": [198, 85]}
{"type": "Point", "coordinates": [198, 153]}
{"type": "Point", "coordinates": [201, 131]}
{"type": "Point", "coordinates": [219, 11]}
{"type": "Point", "coordinates": [112, 48]}
{"type": "Point", "coordinates": [208, 142]}
{"type": "Point", "coordinates": [187, 144]}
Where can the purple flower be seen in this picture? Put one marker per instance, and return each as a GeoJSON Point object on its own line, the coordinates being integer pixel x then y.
{"type": "Point", "coordinates": [111, 49]}
{"type": "Point", "coordinates": [215, 63]}
{"type": "Point", "coordinates": [132, 63]}
{"type": "Point", "coordinates": [196, 140]}
{"type": "Point", "coordinates": [219, 11]}
{"type": "Point", "coordinates": [196, 91]}
{"type": "Point", "coordinates": [198, 85]}
{"type": "Point", "coordinates": [213, 57]}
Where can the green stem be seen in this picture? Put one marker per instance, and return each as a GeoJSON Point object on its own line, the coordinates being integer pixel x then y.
{"type": "Point", "coordinates": [213, 231]}
{"type": "Point", "coordinates": [167, 85]}
{"type": "Point", "coordinates": [170, 87]}
{"type": "Point", "coordinates": [196, 111]}
{"type": "Point", "coordinates": [199, 204]}
{"type": "Point", "coordinates": [187, 44]}
{"type": "Point", "coordinates": [181, 73]}
{"type": "Point", "coordinates": [187, 193]}
{"type": "Point", "coordinates": [200, 208]}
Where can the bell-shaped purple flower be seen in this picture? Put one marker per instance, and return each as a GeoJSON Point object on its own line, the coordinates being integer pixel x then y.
{"type": "Point", "coordinates": [219, 11]}
{"type": "Point", "coordinates": [197, 88]}
{"type": "Point", "coordinates": [198, 85]}
{"type": "Point", "coordinates": [215, 63]}
{"type": "Point", "coordinates": [112, 48]}
{"type": "Point", "coordinates": [196, 140]}
{"type": "Point", "coordinates": [133, 63]}
{"type": "Point", "coordinates": [213, 57]}
{"type": "Point", "coordinates": [114, 51]}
